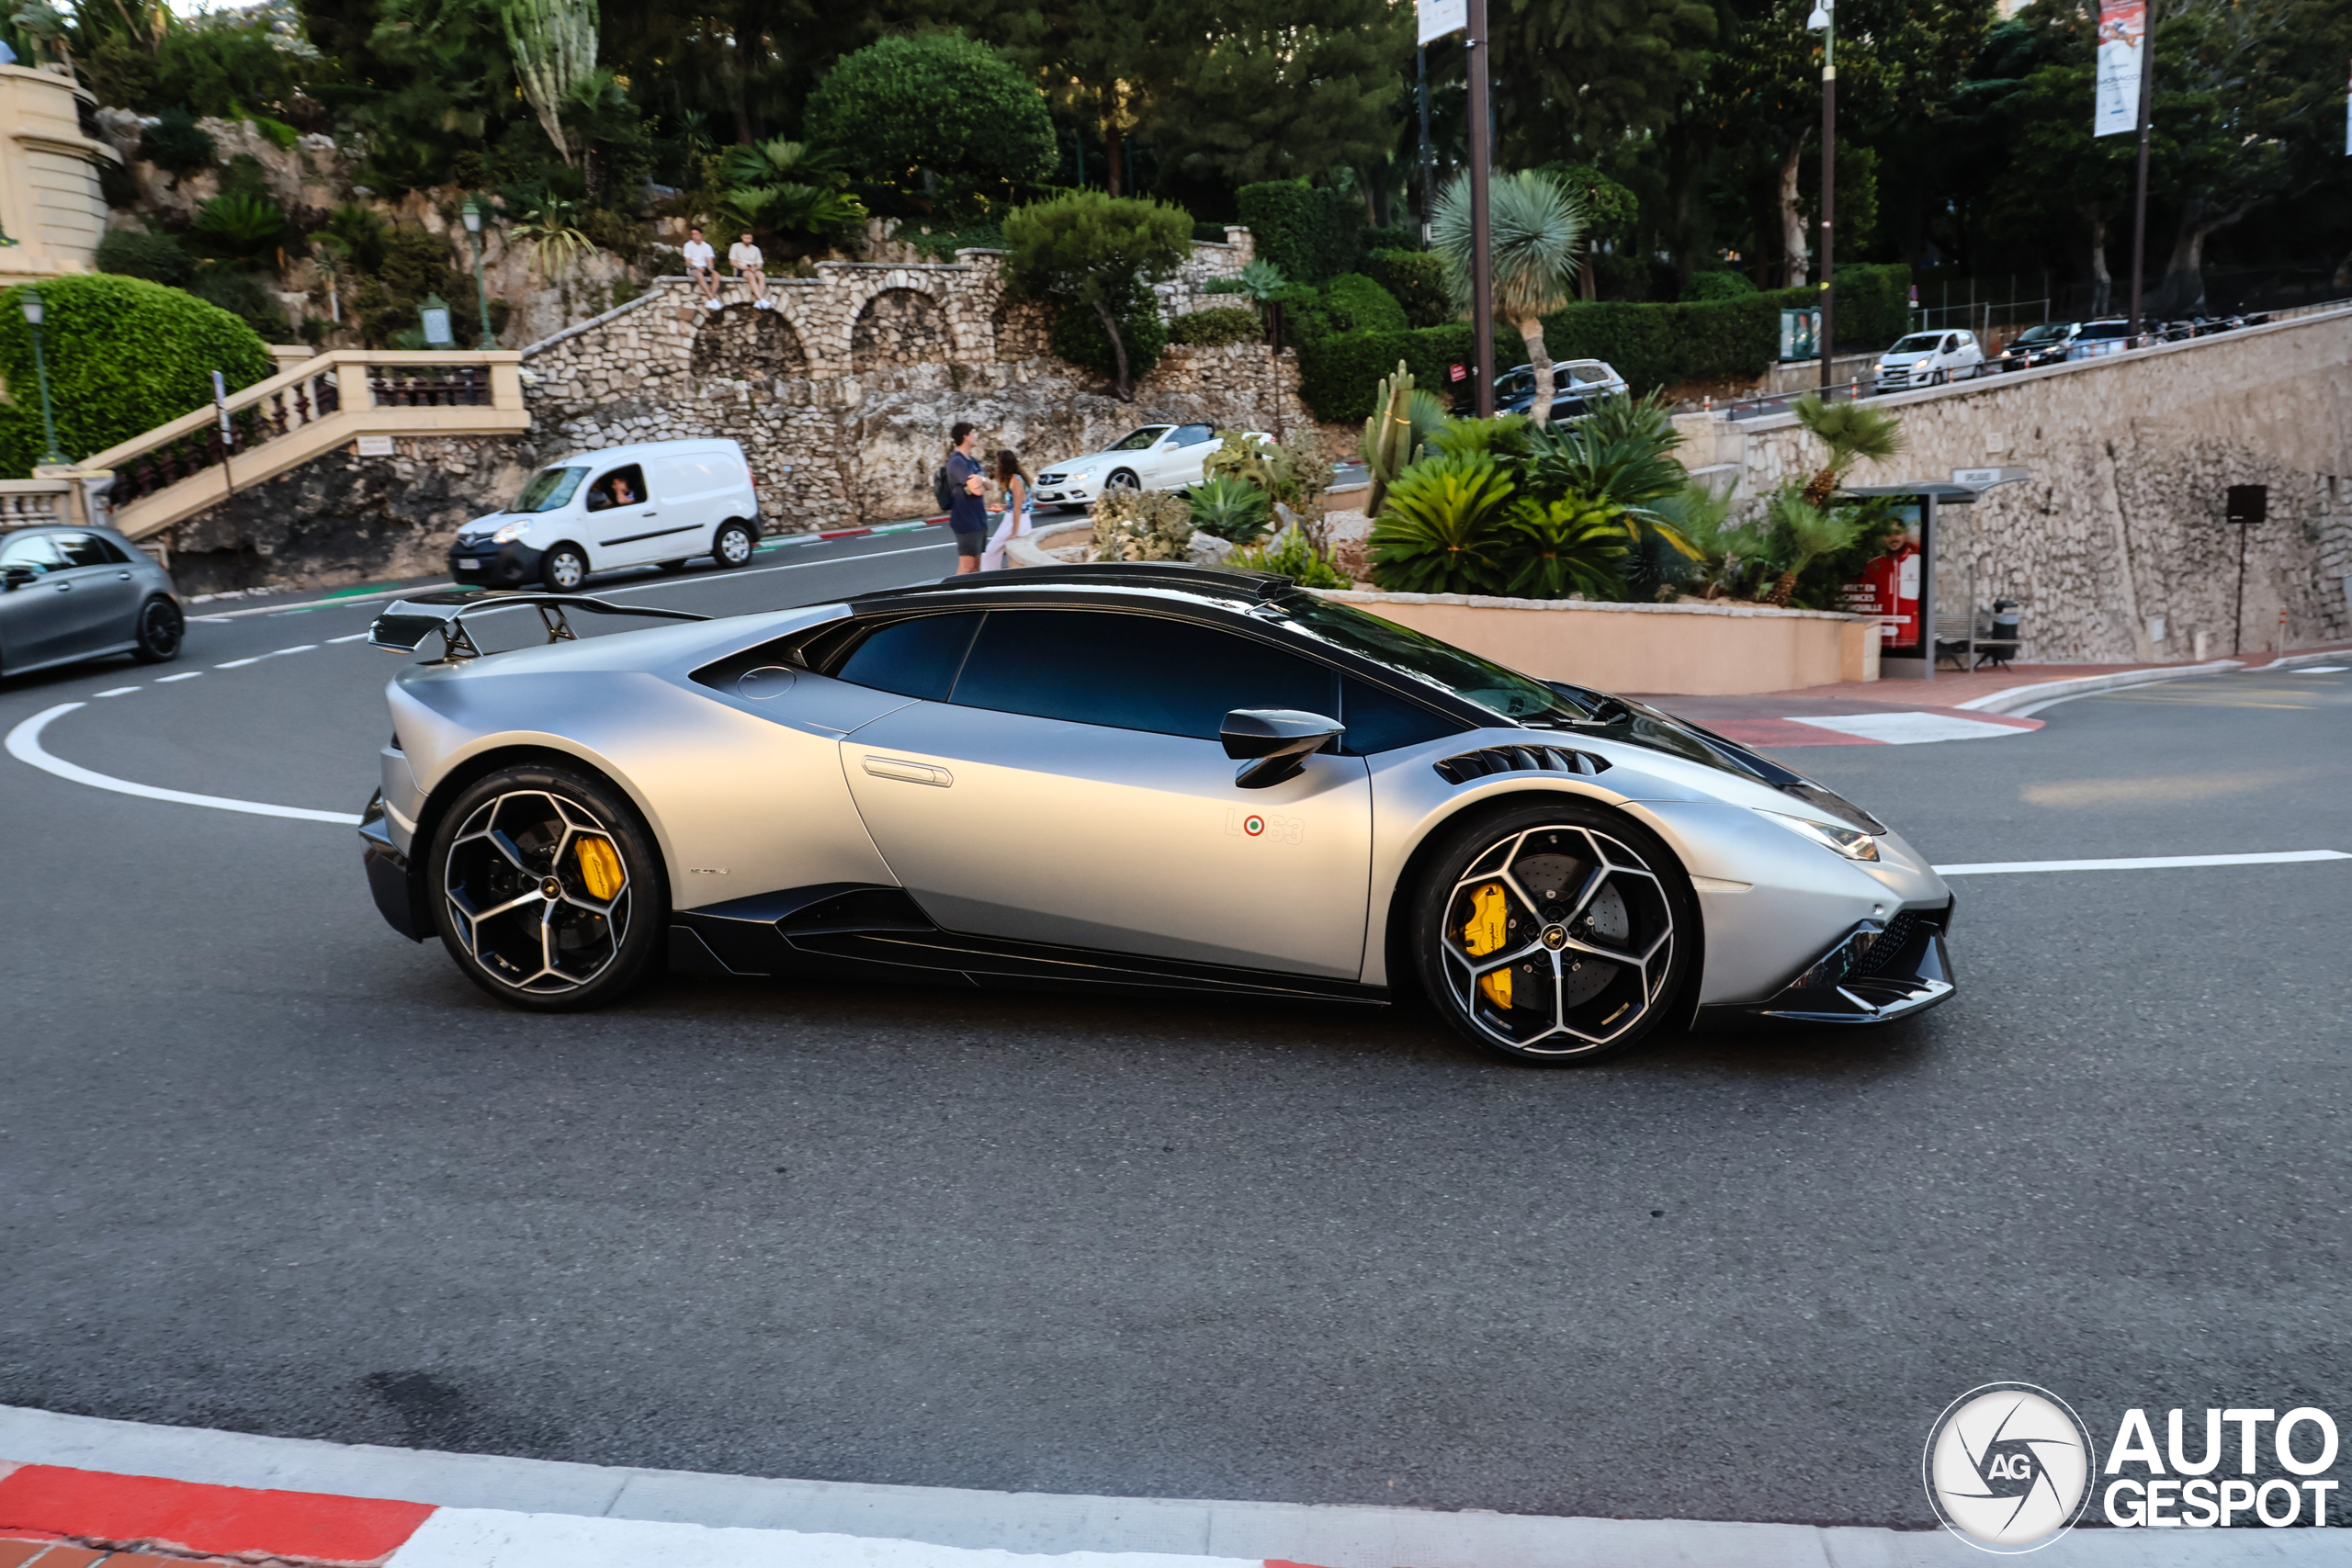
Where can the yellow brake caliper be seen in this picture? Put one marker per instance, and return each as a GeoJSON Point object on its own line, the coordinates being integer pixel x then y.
{"type": "Point", "coordinates": [1488, 929]}
{"type": "Point", "coordinates": [600, 869]}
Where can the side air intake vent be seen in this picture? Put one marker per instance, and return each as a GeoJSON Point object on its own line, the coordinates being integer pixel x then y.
{"type": "Point", "coordinates": [1519, 760]}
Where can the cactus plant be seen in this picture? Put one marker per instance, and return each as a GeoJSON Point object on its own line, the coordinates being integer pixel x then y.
{"type": "Point", "coordinates": [1403, 419]}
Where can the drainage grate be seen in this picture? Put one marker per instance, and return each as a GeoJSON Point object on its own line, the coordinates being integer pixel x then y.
{"type": "Point", "coordinates": [1478, 764]}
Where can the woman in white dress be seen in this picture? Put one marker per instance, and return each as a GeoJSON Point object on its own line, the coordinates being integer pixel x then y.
{"type": "Point", "coordinates": [1016, 518]}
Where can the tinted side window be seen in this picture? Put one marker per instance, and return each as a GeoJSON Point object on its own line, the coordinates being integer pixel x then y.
{"type": "Point", "coordinates": [36, 550]}
{"type": "Point", "coordinates": [914, 659]}
{"type": "Point", "coordinates": [1132, 671]}
{"type": "Point", "coordinates": [1380, 721]}
{"type": "Point", "coordinates": [83, 549]}
{"type": "Point", "coordinates": [1192, 436]}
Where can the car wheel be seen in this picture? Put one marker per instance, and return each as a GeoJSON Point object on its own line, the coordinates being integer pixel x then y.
{"type": "Point", "coordinates": [1553, 933]}
{"type": "Point", "coordinates": [1121, 480]}
{"type": "Point", "coordinates": [1937, 378]}
{"type": "Point", "coordinates": [546, 888]}
{"type": "Point", "coordinates": [161, 627]}
{"type": "Point", "coordinates": [734, 542]}
{"type": "Point", "coordinates": [564, 568]}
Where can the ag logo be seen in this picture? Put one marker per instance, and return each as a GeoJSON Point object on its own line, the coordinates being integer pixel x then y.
{"type": "Point", "coordinates": [1260, 825]}
{"type": "Point", "coordinates": [2008, 1467]}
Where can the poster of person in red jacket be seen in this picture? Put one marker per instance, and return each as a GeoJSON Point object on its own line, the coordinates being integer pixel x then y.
{"type": "Point", "coordinates": [1889, 587]}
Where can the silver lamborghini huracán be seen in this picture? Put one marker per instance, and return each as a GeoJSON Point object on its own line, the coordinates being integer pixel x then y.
{"type": "Point", "coordinates": [1136, 778]}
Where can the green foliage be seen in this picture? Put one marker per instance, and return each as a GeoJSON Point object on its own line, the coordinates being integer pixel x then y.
{"type": "Point", "coordinates": [1718, 284]}
{"type": "Point", "coordinates": [1801, 531]}
{"type": "Point", "coordinates": [1079, 337]}
{"type": "Point", "coordinates": [134, 253]}
{"type": "Point", "coordinates": [246, 297]}
{"type": "Point", "coordinates": [1209, 233]}
{"type": "Point", "coordinates": [1310, 235]}
{"type": "Point", "coordinates": [176, 144]}
{"type": "Point", "coordinates": [1416, 280]}
{"type": "Point", "coordinates": [1142, 524]}
{"type": "Point", "coordinates": [356, 235]}
{"type": "Point", "coordinates": [939, 102]}
{"type": "Point", "coordinates": [1291, 555]}
{"type": "Point", "coordinates": [1216, 327]}
{"type": "Point", "coordinates": [1388, 442]}
{"type": "Point", "coordinates": [243, 225]}
{"type": "Point", "coordinates": [608, 230]}
{"type": "Point", "coordinates": [1294, 473]}
{"type": "Point", "coordinates": [1536, 231]}
{"type": "Point", "coordinates": [782, 186]}
{"type": "Point", "coordinates": [1727, 553]}
{"type": "Point", "coordinates": [1507, 437]}
{"type": "Point", "coordinates": [1231, 508]}
{"type": "Point", "coordinates": [1853, 432]}
{"type": "Point", "coordinates": [1095, 255]}
{"type": "Point", "coordinates": [1377, 240]}
{"type": "Point", "coordinates": [1446, 527]}
{"type": "Point", "coordinates": [942, 243]}
{"type": "Point", "coordinates": [1357, 304]}
{"type": "Point", "coordinates": [124, 356]}
{"type": "Point", "coordinates": [1564, 547]}
{"type": "Point", "coordinates": [1621, 452]}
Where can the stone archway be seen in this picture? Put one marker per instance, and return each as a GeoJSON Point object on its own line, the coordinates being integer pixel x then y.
{"type": "Point", "coordinates": [743, 342]}
{"type": "Point", "coordinates": [898, 329]}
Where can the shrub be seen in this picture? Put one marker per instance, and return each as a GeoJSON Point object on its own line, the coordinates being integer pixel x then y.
{"type": "Point", "coordinates": [1407, 240]}
{"type": "Point", "coordinates": [939, 102]}
{"type": "Point", "coordinates": [1310, 235]}
{"type": "Point", "coordinates": [1209, 233]}
{"type": "Point", "coordinates": [246, 297]}
{"type": "Point", "coordinates": [124, 357]}
{"type": "Point", "coordinates": [1079, 337]}
{"type": "Point", "coordinates": [1445, 528]}
{"type": "Point", "coordinates": [608, 230]}
{"type": "Point", "coordinates": [1559, 547]}
{"type": "Point", "coordinates": [1293, 556]}
{"type": "Point", "coordinates": [178, 145]}
{"type": "Point", "coordinates": [1359, 305]}
{"type": "Point", "coordinates": [134, 253]}
{"type": "Point", "coordinates": [1306, 316]}
{"type": "Point", "coordinates": [1720, 284]}
{"type": "Point", "coordinates": [243, 225]}
{"type": "Point", "coordinates": [1142, 524]}
{"type": "Point", "coordinates": [1095, 255]}
{"type": "Point", "coordinates": [1231, 508]}
{"type": "Point", "coordinates": [1415, 280]}
{"type": "Point", "coordinates": [1219, 327]}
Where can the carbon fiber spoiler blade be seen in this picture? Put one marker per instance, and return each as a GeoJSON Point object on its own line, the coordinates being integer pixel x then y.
{"type": "Point", "coordinates": [406, 623]}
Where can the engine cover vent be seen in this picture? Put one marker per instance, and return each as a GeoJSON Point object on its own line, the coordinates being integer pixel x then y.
{"type": "Point", "coordinates": [1491, 760]}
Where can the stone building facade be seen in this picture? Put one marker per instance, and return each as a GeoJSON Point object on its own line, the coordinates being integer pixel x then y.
{"type": "Point", "coordinates": [2116, 546]}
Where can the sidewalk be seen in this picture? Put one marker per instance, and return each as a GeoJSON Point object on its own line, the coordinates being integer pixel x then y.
{"type": "Point", "coordinates": [1981, 705]}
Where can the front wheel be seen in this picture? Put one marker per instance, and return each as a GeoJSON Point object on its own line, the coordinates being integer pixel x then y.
{"type": "Point", "coordinates": [1553, 933]}
{"type": "Point", "coordinates": [1121, 480]}
{"type": "Point", "coordinates": [733, 543]}
{"type": "Point", "coordinates": [564, 569]}
{"type": "Point", "coordinates": [161, 627]}
{"type": "Point", "coordinates": [546, 888]}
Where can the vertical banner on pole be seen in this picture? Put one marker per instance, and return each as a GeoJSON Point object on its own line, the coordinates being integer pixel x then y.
{"type": "Point", "coordinates": [2123, 31]}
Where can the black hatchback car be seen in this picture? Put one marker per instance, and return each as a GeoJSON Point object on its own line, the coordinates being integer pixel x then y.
{"type": "Point", "coordinates": [2044, 344]}
{"type": "Point", "coordinates": [69, 593]}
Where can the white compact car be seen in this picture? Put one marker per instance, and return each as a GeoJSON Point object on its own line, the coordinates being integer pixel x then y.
{"type": "Point", "coordinates": [1156, 456]}
{"type": "Point", "coordinates": [1930, 359]}
{"type": "Point", "coordinates": [659, 504]}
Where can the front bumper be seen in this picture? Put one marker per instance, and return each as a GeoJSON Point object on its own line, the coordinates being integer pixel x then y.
{"type": "Point", "coordinates": [392, 881]}
{"type": "Point", "coordinates": [494, 566]}
{"type": "Point", "coordinates": [1876, 973]}
{"type": "Point", "coordinates": [1073, 492]}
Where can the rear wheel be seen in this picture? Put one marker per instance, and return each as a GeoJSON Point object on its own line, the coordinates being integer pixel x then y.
{"type": "Point", "coordinates": [733, 543]}
{"type": "Point", "coordinates": [1553, 932]}
{"type": "Point", "coordinates": [546, 888]}
{"type": "Point", "coordinates": [161, 627]}
{"type": "Point", "coordinates": [564, 568]}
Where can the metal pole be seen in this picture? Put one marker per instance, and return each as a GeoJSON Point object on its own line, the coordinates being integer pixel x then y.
{"type": "Point", "coordinates": [482, 297]}
{"type": "Point", "coordinates": [1482, 260]}
{"type": "Point", "coordinates": [51, 456]}
{"type": "Point", "coordinates": [2140, 201]}
{"type": "Point", "coordinates": [1421, 164]}
{"type": "Point", "coordinates": [2237, 615]}
{"type": "Point", "coordinates": [1828, 334]}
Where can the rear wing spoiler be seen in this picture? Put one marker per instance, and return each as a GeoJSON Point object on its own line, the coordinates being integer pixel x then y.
{"type": "Point", "coordinates": [406, 623]}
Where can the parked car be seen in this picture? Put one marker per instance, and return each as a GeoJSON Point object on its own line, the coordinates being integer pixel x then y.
{"type": "Point", "coordinates": [1237, 787]}
{"type": "Point", "coordinates": [70, 593]}
{"type": "Point", "coordinates": [2044, 345]}
{"type": "Point", "coordinates": [658, 503]}
{"type": "Point", "coordinates": [1930, 359]}
{"type": "Point", "coordinates": [2112, 335]}
{"type": "Point", "coordinates": [1156, 456]}
{"type": "Point", "coordinates": [1575, 385]}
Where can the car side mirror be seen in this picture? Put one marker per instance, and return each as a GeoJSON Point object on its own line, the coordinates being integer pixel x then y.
{"type": "Point", "coordinates": [1276, 743]}
{"type": "Point", "coordinates": [17, 576]}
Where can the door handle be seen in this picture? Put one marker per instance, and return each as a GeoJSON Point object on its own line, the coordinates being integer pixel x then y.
{"type": "Point", "coordinates": [66, 588]}
{"type": "Point", "coordinates": [123, 576]}
{"type": "Point", "coordinates": [910, 772]}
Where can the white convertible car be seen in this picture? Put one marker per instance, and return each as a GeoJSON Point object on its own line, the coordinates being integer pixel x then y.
{"type": "Point", "coordinates": [1156, 456]}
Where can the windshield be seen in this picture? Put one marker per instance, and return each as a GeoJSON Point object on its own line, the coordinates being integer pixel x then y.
{"type": "Point", "coordinates": [2108, 329]}
{"type": "Point", "coordinates": [1137, 440]}
{"type": "Point", "coordinates": [2043, 333]}
{"type": "Point", "coordinates": [1505, 693]}
{"type": "Point", "coordinates": [549, 488]}
{"type": "Point", "coordinates": [1918, 343]}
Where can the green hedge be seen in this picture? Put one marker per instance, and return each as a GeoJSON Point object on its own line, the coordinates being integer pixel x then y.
{"type": "Point", "coordinates": [1310, 235]}
{"type": "Point", "coordinates": [1651, 345]}
{"type": "Point", "coordinates": [1417, 279]}
{"type": "Point", "coordinates": [124, 357]}
{"type": "Point", "coordinates": [1217, 327]}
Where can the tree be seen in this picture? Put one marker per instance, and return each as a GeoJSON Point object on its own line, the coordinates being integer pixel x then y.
{"type": "Point", "coordinates": [1536, 229]}
{"type": "Point", "coordinates": [1853, 432]}
{"type": "Point", "coordinates": [554, 46]}
{"type": "Point", "coordinates": [1803, 533]}
{"type": "Point", "coordinates": [1090, 250]}
{"type": "Point", "coordinates": [1261, 90]}
{"type": "Point", "coordinates": [1574, 73]}
{"type": "Point", "coordinates": [1609, 213]}
{"type": "Point", "coordinates": [941, 104]}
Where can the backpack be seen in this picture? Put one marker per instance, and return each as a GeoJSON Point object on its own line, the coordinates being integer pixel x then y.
{"type": "Point", "coordinates": [940, 492]}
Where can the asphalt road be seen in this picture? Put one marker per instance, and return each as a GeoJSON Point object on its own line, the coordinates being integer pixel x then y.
{"type": "Point", "coordinates": [265, 1165]}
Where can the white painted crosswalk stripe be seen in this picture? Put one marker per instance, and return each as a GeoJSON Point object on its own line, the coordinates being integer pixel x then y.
{"type": "Point", "coordinates": [2139, 862]}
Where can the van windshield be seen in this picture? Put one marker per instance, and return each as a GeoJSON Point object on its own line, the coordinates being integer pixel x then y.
{"type": "Point", "coordinates": [549, 491]}
{"type": "Point", "coordinates": [1918, 343]}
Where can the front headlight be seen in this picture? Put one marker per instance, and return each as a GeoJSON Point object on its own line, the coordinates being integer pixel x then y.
{"type": "Point", "coordinates": [508, 534]}
{"type": "Point", "coordinates": [1850, 842]}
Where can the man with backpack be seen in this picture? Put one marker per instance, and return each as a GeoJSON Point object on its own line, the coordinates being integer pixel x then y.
{"type": "Point", "coordinates": [961, 487]}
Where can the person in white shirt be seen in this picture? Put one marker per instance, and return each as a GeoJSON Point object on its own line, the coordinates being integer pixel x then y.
{"type": "Point", "coordinates": [701, 267]}
{"type": "Point", "coordinates": [745, 258]}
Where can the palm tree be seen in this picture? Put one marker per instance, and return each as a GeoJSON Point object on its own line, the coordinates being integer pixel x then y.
{"type": "Point", "coordinates": [1806, 533]}
{"type": "Point", "coordinates": [1536, 227]}
{"type": "Point", "coordinates": [1852, 433]}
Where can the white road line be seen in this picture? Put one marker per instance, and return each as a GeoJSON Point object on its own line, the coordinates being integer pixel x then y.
{"type": "Point", "coordinates": [119, 691]}
{"type": "Point", "coordinates": [2141, 862]}
{"type": "Point", "coordinates": [297, 648]}
{"type": "Point", "coordinates": [355, 636]}
{"type": "Point", "coordinates": [2321, 669]}
{"type": "Point", "coordinates": [24, 744]}
{"type": "Point", "coordinates": [241, 663]}
{"type": "Point", "coordinates": [166, 679]}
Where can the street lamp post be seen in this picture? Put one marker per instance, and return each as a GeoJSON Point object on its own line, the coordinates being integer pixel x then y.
{"type": "Point", "coordinates": [481, 293]}
{"type": "Point", "coordinates": [1482, 261]}
{"type": "Point", "coordinates": [34, 309]}
{"type": "Point", "coordinates": [1823, 21]}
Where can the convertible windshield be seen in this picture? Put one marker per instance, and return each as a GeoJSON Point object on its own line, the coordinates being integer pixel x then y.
{"type": "Point", "coordinates": [1499, 690]}
{"type": "Point", "coordinates": [549, 488]}
{"type": "Point", "coordinates": [1137, 440]}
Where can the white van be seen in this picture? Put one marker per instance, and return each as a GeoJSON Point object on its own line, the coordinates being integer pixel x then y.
{"type": "Point", "coordinates": [659, 504]}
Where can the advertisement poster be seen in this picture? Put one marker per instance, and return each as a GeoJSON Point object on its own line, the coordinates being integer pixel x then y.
{"type": "Point", "coordinates": [2122, 28]}
{"type": "Point", "coordinates": [1889, 588]}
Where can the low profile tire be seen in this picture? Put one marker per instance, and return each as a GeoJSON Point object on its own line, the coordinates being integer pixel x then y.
{"type": "Point", "coordinates": [161, 627]}
{"type": "Point", "coordinates": [546, 888]}
{"type": "Point", "coordinates": [733, 543]}
{"type": "Point", "coordinates": [1553, 933]}
{"type": "Point", "coordinates": [564, 568]}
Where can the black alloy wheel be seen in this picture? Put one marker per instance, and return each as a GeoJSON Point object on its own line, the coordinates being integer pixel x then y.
{"type": "Point", "coordinates": [564, 568]}
{"type": "Point", "coordinates": [161, 627]}
{"type": "Point", "coordinates": [1553, 932]}
{"type": "Point", "coordinates": [546, 888]}
{"type": "Point", "coordinates": [734, 543]}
